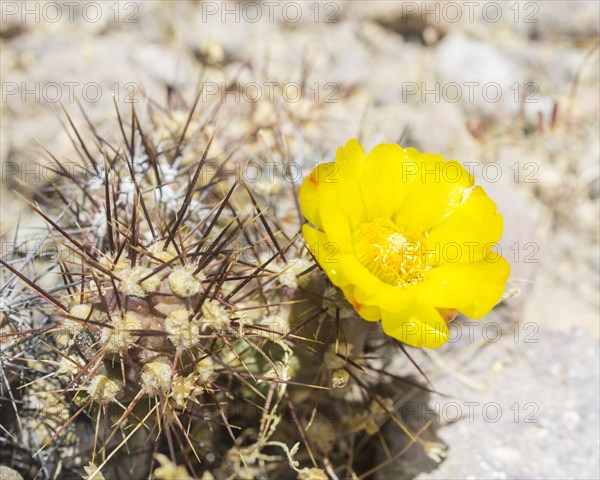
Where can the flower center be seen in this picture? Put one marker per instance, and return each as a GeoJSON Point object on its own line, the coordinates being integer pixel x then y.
{"type": "Point", "coordinates": [388, 253]}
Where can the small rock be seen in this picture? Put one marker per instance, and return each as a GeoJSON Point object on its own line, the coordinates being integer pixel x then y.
{"type": "Point", "coordinates": [7, 473]}
{"type": "Point", "coordinates": [479, 75]}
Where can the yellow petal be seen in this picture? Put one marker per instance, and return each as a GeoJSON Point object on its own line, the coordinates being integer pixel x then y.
{"type": "Point", "coordinates": [350, 160]}
{"type": "Point", "coordinates": [416, 325]}
{"type": "Point", "coordinates": [334, 221]}
{"type": "Point", "coordinates": [354, 273]}
{"type": "Point", "coordinates": [468, 234]}
{"type": "Point", "coordinates": [493, 275]}
{"type": "Point", "coordinates": [342, 268]}
{"type": "Point", "coordinates": [386, 296]}
{"type": "Point", "coordinates": [384, 184]}
{"type": "Point", "coordinates": [326, 253]}
{"type": "Point", "coordinates": [412, 153]}
{"type": "Point", "coordinates": [308, 194]}
{"type": "Point", "coordinates": [438, 188]}
{"type": "Point", "coordinates": [463, 285]}
{"type": "Point", "coordinates": [350, 156]}
{"type": "Point", "coordinates": [368, 312]}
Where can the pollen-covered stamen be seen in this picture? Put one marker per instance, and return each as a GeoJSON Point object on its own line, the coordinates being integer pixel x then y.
{"type": "Point", "coordinates": [392, 256]}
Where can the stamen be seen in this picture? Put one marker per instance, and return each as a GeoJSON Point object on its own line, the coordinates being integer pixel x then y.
{"type": "Point", "coordinates": [393, 256]}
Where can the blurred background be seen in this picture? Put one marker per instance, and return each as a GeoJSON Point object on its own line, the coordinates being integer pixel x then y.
{"type": "Point", "coordinates": [510, 89]}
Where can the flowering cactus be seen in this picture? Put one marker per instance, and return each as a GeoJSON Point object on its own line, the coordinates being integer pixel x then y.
{"type": "Point", "coordinates": [186, 331]}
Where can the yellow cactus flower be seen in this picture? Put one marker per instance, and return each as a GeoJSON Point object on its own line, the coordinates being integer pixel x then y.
{"type": "Point", "coordinates": [407, 237]}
